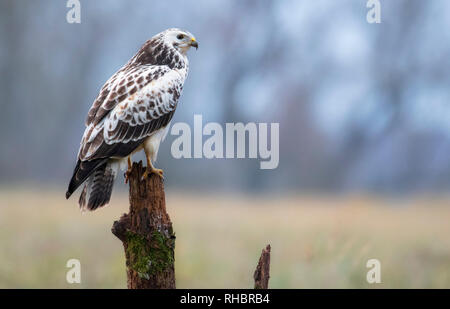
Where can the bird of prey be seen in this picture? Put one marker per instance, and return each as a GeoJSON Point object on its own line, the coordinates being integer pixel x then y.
{"type": "Point", "coordinates": [132, 112]}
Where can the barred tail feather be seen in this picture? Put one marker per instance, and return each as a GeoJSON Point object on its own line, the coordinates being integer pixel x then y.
{"type": "Point", "coordinates": [98, 187]}
{"type": "Point", "coordinates": [81, 173]}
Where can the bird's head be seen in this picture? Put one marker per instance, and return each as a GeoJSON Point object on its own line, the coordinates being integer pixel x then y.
{"type": "Point", "coordinates": [179, 39]}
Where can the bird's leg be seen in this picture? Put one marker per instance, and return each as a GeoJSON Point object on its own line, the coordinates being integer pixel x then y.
{"type": "Point", "coordinates": [150, 168]}
{"type": "Point", "coordinates": [128, 172]}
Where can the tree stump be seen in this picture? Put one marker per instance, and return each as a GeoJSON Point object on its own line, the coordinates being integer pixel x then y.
{"type": "Point", "coordinates": [147, 235]}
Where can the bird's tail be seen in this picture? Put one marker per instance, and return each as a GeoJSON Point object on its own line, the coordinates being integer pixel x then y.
{"type": "Point", "coordinates": [98, 187]}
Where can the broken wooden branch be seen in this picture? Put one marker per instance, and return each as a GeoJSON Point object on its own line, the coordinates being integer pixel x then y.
{"type": "Point", "coordinates": [261, 274]}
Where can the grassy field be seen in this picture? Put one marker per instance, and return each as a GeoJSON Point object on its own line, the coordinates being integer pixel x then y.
{"type": "Point", "coordinates": [316, 242]}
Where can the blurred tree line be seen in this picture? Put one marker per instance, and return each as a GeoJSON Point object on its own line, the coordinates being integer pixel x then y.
{"type": "Point", "coordinates": [361, 106]}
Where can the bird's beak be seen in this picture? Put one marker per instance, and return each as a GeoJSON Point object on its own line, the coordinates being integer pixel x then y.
{"type": "Point", "coordinates": [194, 43]}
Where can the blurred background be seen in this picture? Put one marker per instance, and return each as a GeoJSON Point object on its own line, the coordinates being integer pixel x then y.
{"type": "Point", "coordinates": [364, 141]}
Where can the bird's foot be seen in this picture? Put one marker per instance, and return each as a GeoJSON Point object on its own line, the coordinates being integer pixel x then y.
{"type": "Point", "coordinates": [152, 170]}
{"type": "Point", "coordinates": [127, 175]}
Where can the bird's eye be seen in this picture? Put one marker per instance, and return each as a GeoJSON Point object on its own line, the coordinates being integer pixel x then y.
{"type": "Point", "coordinates": [180, 37]}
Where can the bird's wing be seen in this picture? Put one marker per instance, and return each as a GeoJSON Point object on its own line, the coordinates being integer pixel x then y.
{"type": "Point", "coordinates": [130, 107]}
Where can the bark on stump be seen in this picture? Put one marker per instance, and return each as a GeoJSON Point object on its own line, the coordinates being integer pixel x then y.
{"type": "Point", "coordinates": [147, 235]}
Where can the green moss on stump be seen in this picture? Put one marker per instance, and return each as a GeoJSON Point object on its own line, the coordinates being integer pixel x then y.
{"type": "Point", "coordinates": [148, 261]}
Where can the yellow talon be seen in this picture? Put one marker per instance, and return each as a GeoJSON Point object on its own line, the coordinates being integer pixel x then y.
{"type": "Point", "coordinates": [151, 170]}
{"type": "Point", "coordinates": [128, 172]}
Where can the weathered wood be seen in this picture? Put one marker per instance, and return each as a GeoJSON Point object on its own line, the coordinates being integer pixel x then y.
{"type": "Point", "coordinates": [147, 235]}
{"type": "Point", "coordinates": [261, 274]}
